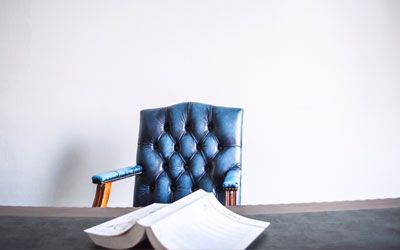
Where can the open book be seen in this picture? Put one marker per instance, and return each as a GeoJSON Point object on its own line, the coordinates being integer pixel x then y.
{"type": "Point", "coordinates": [197, 221]}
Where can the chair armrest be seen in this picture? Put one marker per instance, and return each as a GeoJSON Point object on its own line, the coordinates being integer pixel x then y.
{"type": "Point", "coordinates": [231, 186]}
{"type": "Point", "coordinates": [118, 174]}
{"type": "Point", "coordinates": [232, 179]}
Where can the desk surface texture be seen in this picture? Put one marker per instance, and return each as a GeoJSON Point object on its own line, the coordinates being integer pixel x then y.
{"type": "Point", "coordinates": [350, 229]}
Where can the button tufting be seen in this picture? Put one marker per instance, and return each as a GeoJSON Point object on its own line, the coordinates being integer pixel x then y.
{"type": "Point", "coordinates": [166, 128]}
{"type": "Point", "coordinates": [187, 126]}
{"type": "Point", "coordinates": [184, 148]}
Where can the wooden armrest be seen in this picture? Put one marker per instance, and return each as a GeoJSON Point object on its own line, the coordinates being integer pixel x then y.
{"type": "Point", "coordinates": [230, 196]}
{"type": "Point", "coordinates": [231, 186]}
{"type": "Point", "coordinates": [102, 194]}
{"type": "Point", "coordinates": [104, 181]}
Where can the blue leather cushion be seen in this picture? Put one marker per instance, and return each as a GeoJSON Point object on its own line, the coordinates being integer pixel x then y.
{"type": "Point", "coordinates": [185, 147]}
{"type": "Point", "coordinates": [232, 179]}
{"type": "Point", "coordinates": [116, 174]}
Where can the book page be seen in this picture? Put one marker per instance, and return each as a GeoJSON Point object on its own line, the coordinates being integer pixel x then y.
{"type": "Point", "coordinates": [122, 232]}
{"type": "Point", "coordinates": [172, 208]}
{"type": "Point", "coordinates": [123, 241]}
{"type": "Point", "coordinates": [204, 224]}
{"type": "Point", "coordinates": [123, 223]}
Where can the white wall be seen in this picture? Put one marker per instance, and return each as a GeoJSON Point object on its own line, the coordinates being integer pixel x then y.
{"type": "Point", "coordinates": [319, 82]}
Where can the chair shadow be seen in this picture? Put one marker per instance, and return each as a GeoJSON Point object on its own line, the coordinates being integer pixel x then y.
{"type": "Point", "coordinates": [69, 175]}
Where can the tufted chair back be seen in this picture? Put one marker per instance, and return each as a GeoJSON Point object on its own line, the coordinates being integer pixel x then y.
{"type": "Point", "coordinates": [185, 147]}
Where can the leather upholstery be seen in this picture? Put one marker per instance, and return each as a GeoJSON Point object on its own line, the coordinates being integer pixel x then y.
{"type": "Point", "coordinates": [185, 147]}
{"type": "Point", "coordinates": [116, 174]}
{"type": "Point", "coordinates": [232, 178]}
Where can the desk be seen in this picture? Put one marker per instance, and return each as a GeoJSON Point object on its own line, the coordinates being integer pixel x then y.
{"type": "Point", "coordinates": [373, 224]}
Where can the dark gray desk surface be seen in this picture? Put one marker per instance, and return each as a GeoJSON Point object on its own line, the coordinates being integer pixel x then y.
{"type": "Point", "coordinates": [372, 224]}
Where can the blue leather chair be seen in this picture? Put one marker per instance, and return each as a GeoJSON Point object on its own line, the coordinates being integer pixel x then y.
{"type": "Point", "coordinates": [182, 148]}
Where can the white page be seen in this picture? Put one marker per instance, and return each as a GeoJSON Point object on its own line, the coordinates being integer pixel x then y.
{"type": "Point", "coordinates": [123, 223]}
{"type": "Point", "coordinates": [122, 232]}
{"type": "Point", "coordinates": [172, 208]}
{"type": "Point", "coordinates": [126, 240]}
{"type": "Point", "coordinates": [204, 224]}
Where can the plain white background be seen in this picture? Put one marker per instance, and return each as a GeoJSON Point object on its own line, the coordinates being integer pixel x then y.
{"type": "Point", "coordinates": [319, 82]}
